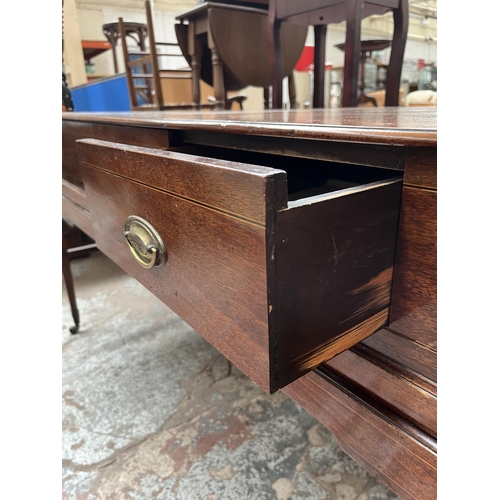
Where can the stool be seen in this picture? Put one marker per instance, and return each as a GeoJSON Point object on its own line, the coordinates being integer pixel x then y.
{"type": "Point", "coordinates": [137, 31]}
{"type": "Point", "coordinates": [320, 13]}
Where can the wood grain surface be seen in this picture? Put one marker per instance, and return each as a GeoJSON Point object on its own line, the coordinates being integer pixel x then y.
{"type": "Point", "coordinates": [421, 167]}
{"type": "Point", "coordinates": [335, 261]}
{"type": "Point", "coordinates": [405, 352]}
{"type": "Point", "coordinates": [414, 297]}
{"type": "Point", "coordinates": [236, 188]}
{"type": "Point", "coordinates": [381, 382]}
{"type": "Point", "coordinates": [75, 194]}
{"type": "Point", "coordinates": [378, 398]}
{"type": "Point", "coordinates": [406, 463]}
{"type": "Point", "coordinates": [74, 130]}
{"type": "Point", "coordinates": [323, 295]}
{"type": "Point", "coordinates": [215, 275]}
{"type": "Point", "coordinates": [396, 126]}
{"type": "Point", "coordinates": [77, 215]}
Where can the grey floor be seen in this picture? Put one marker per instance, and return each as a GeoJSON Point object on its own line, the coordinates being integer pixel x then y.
{"type": "Point", "coordinates": [152, 411]}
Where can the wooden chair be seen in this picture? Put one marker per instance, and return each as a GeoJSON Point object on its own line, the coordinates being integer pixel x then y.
{"type": "Point", "coordinates": [320, 13]}
{"type": "Point", "coordinates": [145, 87]}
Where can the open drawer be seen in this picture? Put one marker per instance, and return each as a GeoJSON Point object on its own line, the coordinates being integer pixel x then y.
{"type": "Point", "coordinates": [278, 268]}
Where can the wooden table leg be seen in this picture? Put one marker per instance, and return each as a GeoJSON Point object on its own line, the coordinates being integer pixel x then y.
{"type": "Point", "coordinates": [352, 54]}
{"type": "Point", "coordinates": [218, 74]}
{"type": "Point", "coordinates": [68, 279]}
{"type": "Point", "coordinates": [319, 66]}
{"type": "Point", "coordinates": [393, 76]}
{"type": "Point", "coordinates": [195, 49]}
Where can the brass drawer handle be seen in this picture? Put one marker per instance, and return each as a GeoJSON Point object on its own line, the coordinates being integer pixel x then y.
{"type": "Point", "coordinates": [144, 242]}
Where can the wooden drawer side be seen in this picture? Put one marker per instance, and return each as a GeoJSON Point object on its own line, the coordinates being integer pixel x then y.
{"type": "Point", "coordinates": [335, 261]}
{"type": "Point", "coordinates": [74, 130]}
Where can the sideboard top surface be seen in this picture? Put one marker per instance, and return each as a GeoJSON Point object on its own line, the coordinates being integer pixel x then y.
{"type": "Point", "coordinates": [399, 125]}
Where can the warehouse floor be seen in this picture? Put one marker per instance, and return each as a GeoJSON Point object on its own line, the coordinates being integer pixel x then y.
{"type": "Point", "coordinates": [152, 411]}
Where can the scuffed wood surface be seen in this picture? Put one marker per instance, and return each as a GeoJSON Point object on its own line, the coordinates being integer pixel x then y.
{"type": "Point", "coordinates": [401, 126]}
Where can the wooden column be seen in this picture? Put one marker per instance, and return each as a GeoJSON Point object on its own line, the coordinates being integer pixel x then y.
{"type": "Point", "coordinates": [74, 62]}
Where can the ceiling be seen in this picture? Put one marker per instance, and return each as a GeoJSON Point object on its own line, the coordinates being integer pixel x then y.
{"type": "Point", "coordinates": [424, 7]}
{"type": "Point", "coordinates": [421, 7]}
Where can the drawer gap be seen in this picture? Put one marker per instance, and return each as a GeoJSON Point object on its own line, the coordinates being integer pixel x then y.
{"type": "Point", "coordinates": [305, 177]}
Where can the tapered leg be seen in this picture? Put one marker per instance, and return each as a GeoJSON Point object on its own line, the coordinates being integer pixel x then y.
{"type": "Point", "coordinates": [275, 56]}
{"type": "Point", "coordinates": [319, 66]}
{"type": "Point", "coordinates": [352, 53]}
{"type": "Point", "coordinates": [292, 91]}
{"type": "Point", "coordinates": [393, 78]}
{"type": "Point", "coordinates": [68, 279]}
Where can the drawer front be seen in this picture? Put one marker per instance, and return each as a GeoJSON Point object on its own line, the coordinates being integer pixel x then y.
{"type": "Point", "coordinates": [277, 287]}
{"type": "Point", "coordinates": [215, 272]}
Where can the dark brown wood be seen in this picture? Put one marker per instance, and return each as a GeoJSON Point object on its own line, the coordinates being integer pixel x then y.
{"type": "Point", "coordinates": [421, 168]}
{"type": "Point", "coordinates": [241, 39]}
{"type": "Point", "coordinates": [68, 278]}
{"type": "Point", "coordinates": [414, 296]}
{"type": "Point", "coordinates": [396, 392]}
{"type": "Point", "coordinates": [355, 154]}
{"type": "Point", "coordinates": [352, 53]}
{"type": "Point", "coordinates": [404, 126]}
{"type": "Point", "coordinates": [215, 42]}
{"type": "Point", "coordinates": [335, 307]}
{"type": "Point", "coordinates": [74, 130]}
{"type": "Point", "coordinates": [319, 69]}
{"type": "Point", "coordinates": [224, 186]}
{"type": "Point", "coordinates": [216, 284]}
{"type": "Point", "coordinates": [373, 417]}
{"type": "Point", "coordinates": [335, 262]}
{"type": "Point", "coordinates": [393, 76]}
{"type": "Point", "coordinates": [320, 13]}
{"type": "Point", "coordinates": [405, 352]}
{"type": "Point", "coordinates": [401, 460]}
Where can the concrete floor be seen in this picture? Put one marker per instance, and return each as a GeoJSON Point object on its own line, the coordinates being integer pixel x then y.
{"type": "Point", "coordinates": [152, 411]}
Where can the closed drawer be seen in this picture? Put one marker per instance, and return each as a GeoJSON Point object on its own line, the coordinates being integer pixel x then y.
{"type": "Point", "coordinates": [279, 270]}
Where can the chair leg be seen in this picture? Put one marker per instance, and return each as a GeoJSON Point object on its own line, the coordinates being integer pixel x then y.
{"type": "Point", "coordinates": [292, 91]}
{"type": "Point", "coordinates": [319, 66]}
{"type": "Point", "coordinates": [275, 55]}
{"type": "Point", "coordinates": [393, 77]}
{"type": "Point", "coordinates": [266, 97]}
{"type": "Point", "coordinates": [68, 279]}
{"type": "Point", "coordinates": [352, 53]}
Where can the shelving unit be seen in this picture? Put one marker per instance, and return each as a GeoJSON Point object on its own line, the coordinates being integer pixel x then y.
{"type": "Point", "coordinates": [91, 49]}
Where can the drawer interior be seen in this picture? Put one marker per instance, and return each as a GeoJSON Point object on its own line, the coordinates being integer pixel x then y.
{"type": "Point", "coordinates": [305, 177]}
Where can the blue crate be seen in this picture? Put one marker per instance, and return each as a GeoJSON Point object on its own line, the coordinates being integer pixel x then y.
{"type": "Point", "coordinates": [106, 94]}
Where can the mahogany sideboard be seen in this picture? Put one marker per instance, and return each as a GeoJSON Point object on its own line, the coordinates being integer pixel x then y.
{"type": "Point", "coordinates": [301, 244]}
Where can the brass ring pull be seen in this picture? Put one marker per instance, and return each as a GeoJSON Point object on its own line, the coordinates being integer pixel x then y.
{"type": "Point", "coordinates": [144, 242]}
